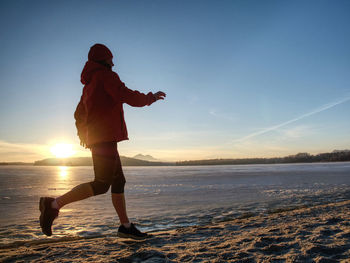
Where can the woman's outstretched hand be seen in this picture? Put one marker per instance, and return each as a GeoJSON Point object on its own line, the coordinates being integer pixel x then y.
{"type": "Point", "coordinates": [160, 95]}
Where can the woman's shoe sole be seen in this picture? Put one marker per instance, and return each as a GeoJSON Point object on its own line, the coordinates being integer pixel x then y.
{"type": "Point", "coordinates": [123, 235]}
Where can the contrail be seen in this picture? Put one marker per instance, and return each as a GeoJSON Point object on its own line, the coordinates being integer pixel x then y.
{"type": "Point", "coordinates": [320, 109]}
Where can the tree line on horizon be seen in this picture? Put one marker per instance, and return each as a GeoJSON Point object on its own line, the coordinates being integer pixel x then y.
{"type": "Point", "coordinates": [336, 156]}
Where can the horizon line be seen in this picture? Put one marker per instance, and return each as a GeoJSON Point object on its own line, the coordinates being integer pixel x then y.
{"type": "Point", "coordinates": [218, 158]}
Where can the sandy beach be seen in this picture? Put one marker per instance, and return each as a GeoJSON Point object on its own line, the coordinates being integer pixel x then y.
{"type": "Point", "coordinates": [314, 234]}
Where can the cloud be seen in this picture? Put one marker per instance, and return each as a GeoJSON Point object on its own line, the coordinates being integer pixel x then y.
{"type": "Point", "coordinates": [252, 148]}
{"type": "Point", "coordinates": [193, 99]}
{"type": "Point", "coordinates": [217, 114]}
{"type": "Point", "coordinates": [297, 132]}
{"type": "Point", "coordinates": [14, 152]}
{"type": "Point", "coordinates": [308, 114]}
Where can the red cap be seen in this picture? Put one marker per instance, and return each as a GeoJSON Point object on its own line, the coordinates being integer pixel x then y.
{"type": "Point", "coordinates": [99, 52]}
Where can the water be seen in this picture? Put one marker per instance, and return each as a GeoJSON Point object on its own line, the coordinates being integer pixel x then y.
{"type": "Point", "coordinates": [164, 197]}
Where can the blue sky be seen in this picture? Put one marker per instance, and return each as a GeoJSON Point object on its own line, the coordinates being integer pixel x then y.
{"type": "Point", "coordinates": [243, 78]}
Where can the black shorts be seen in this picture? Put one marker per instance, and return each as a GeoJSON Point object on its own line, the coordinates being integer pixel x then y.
{"type": "Point", "coordinates": [107, 165]}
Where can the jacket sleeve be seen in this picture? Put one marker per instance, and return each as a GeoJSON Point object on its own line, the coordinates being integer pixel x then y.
{"type": "Point", "coordinates": [120, 93]}
{"type": "Point", "coordinates": [135, 98]}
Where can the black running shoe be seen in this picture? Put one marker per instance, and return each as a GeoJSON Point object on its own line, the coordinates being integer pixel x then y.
{"type": "Point", "coordinates": [131, 232]}
{"type": "Point", "coordinates": [48, 214]}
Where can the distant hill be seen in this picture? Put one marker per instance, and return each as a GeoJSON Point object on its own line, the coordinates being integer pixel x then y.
{"type": "Point", "coordinates": [74, 161]}
{"type": "Point", "coordinates": [87, 161]}
{"type": "Point", "coordinates": [148, 158]}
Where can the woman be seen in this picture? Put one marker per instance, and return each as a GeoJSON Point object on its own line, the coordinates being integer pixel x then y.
{"type": "Point", "coordinates": [100, 122]}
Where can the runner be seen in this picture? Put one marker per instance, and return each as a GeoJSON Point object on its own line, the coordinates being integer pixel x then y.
{"type": "Point", "coordinates": [100, 123]}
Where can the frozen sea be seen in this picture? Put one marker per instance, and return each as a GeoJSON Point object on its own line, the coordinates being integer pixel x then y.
{"type": "Point", "coordinates": [164, 197]}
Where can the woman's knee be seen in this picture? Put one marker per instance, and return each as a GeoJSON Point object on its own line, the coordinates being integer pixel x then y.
{"type": "Point", "coordinates": [99, 187]}
{"type": "Point", "coordinates": [118, 185]}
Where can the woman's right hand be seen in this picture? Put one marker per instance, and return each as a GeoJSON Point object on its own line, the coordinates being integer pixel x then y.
{"type": "Point", "coordinates": [160, 95]}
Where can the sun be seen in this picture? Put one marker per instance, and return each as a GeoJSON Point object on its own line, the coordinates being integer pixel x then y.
{"type": "Point", "coordinates": [62, 150]}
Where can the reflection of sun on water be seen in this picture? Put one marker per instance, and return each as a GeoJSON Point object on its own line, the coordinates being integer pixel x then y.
{"type": "Point", "coordinates": [63, 171]}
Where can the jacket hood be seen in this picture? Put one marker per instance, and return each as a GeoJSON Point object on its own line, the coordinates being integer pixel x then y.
{"type": "Point", "coordinates": [99, 52]}
{"type": "Point", "coordinates": [88, 71]}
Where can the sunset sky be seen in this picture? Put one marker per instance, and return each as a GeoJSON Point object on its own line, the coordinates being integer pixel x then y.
{"type": "Point", "coordinates": [243, 78]}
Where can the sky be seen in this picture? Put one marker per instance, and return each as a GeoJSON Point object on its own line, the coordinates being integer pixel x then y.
{"type": "Point", "coordinates": [243, 78]}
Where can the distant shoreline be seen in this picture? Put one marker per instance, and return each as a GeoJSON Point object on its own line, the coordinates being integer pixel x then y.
{"type": "Point", "coordinates": [335, 156]}
{"type": "Point", "coordinates": [15, 163]}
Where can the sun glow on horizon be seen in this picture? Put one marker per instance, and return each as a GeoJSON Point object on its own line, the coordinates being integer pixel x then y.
{"type": "Point", "coordinates": [62, 150]}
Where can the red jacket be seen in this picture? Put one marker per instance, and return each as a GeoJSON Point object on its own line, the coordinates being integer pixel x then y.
{"type": "Point", "coordinates": [99, 115]}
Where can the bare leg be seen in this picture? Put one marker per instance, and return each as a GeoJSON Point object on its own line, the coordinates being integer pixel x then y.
{"type": "Point", "coordinates": [78, 193]}
{"type": "Point", "coordinates": [118, 201]}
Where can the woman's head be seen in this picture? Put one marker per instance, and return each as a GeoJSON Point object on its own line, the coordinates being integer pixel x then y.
{"type": "Point", "coordinates": [99, 52]}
